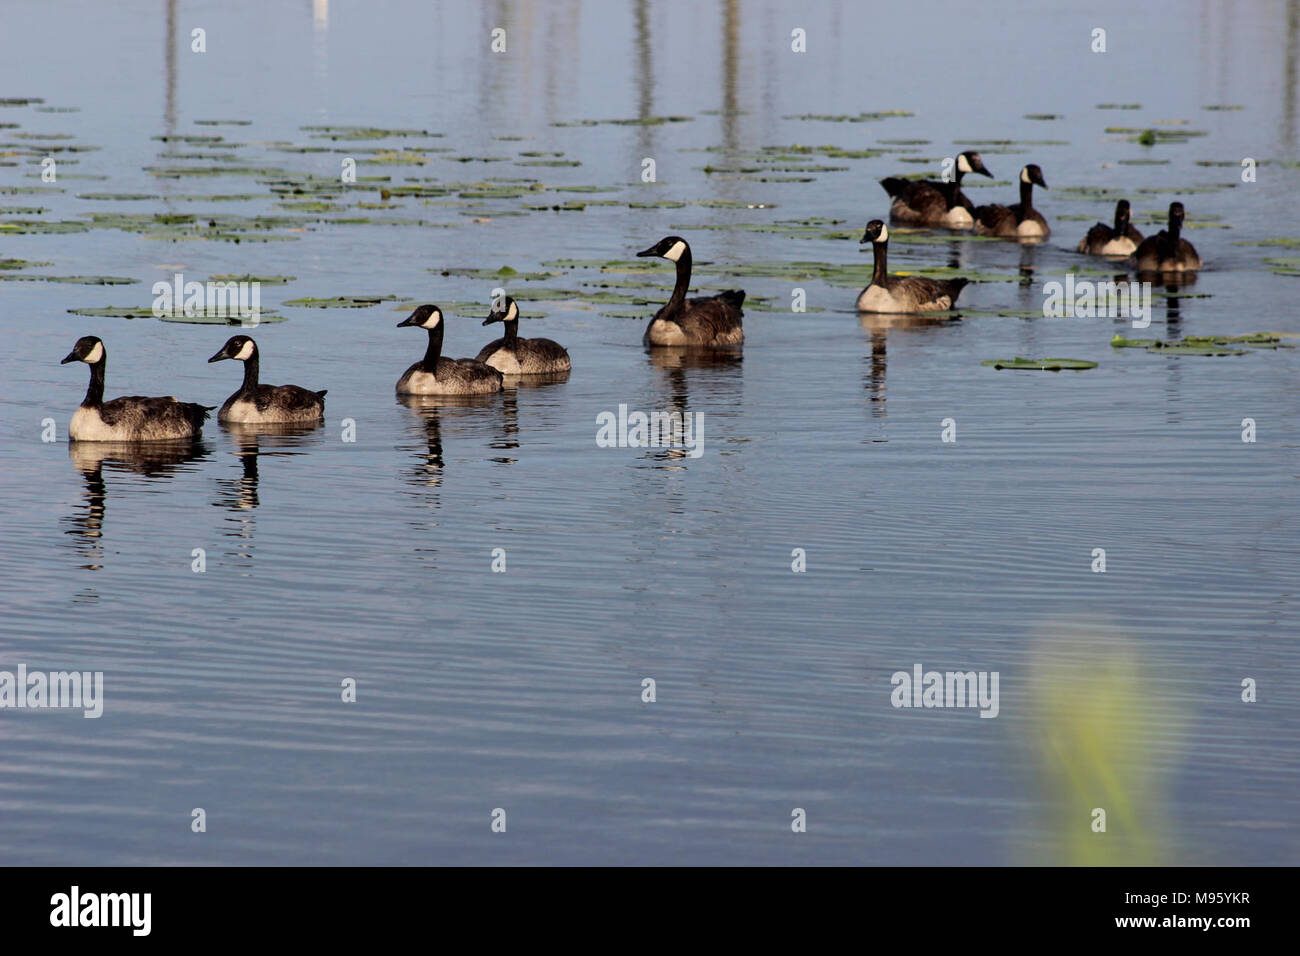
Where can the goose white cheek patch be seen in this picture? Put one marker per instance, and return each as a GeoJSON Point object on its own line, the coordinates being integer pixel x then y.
{"type": "Point", "coordinates": [95, 354]}
{"type": "Point", "coordinates": [432, 321]}
{"type": "Point", "coordinates": [1024, 175]}
{"type": "Point", "coordinates": [884, 234]}
{"type": "Point", "coordinates": [963, 164]}
{"type": "Point", "coordinates": [245, 352]}
{"type": "Point", "coordinates": [675, 253]}
{"type": "Point", "coordinates": [513, 312]}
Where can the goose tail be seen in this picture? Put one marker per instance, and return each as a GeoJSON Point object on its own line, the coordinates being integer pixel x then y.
{"type": "Point", "coordinates": [894, 185]}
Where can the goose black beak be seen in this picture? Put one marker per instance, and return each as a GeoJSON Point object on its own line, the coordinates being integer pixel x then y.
{"type": "Point", "coordinates": [984, 171]}
{"type": "Point", "coordinates": [866, 237]}
{"type": "Point", "coordinates": [652, 251]}
{"type": "Point", "coordinates": [218, 357]}
{"type": "Point", "coordinates": [409, 320]}
{"type": "Point", "coordinates": [70, 357]}
{"type": "Point", "coordinates": [495, 317]}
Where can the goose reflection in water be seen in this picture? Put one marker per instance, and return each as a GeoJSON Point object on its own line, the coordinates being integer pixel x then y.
{"type": "Point", "coordinates": [878, 327]}
{"type": "Point", "coordinates": [151, 461]}
{"type": "Point", "coordinates": [249, 442]}
{"type": "Point", "coordinates": [432, 410]}
{"type": "Point", "coordinates": [719, 390]}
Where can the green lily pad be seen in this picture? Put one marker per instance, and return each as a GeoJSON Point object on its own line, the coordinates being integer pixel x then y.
{"type": "Point", "coordinates": [1040, 365]}
{"type": "Point", "coordinates": [1196, 350]}
{"type": "Point", "coordinates": [71, 280]}
{"type": "Point", "coordinates": [35, 227]}
{"type": "Point", "coordinates": [340, 302]}
{"type": "Point", "coordinates": [364, 132]}
{"type": "Point", "coordinates": [264, 280]}
{"type": "Point", "coordinates": [124, 197]}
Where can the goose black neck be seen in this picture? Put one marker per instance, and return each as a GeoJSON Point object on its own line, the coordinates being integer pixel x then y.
{"type": "Point", "coordinates": [683, 281]}
{"type": "Point", "coordinates": [95, 392]}
{"type": "Point", "coordinates": [250, 375]}
{"type": "Point", "coordinates": [1121, 224]}
{"type": "Point", "coordinates": [880, 252]}
{"type": "Point", "coordinates": [512, 331]}
{"type": "Point", "coordinates": [434, 351]}
{"type": "Point", "coordinates": [1175, 229]}
{"type": "Point", "coordinates": [1026, 198]}
{"type": "Point", "coordinates": [957, 177]}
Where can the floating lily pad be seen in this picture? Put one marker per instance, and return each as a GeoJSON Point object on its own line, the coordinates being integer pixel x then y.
{"type": "Point", "coordinates": [146, 312]}
{"type": "Point", "coordinates": [124, 197]}
{"type": "Point", "coordinates": [21, 264]}
{"type": "Point", "coordinates": [1040, 365]}
{"type": "Point", "coordinates": [363, 132]}
{"type": "Point", "coordinates": [505, 273]}
{"type": "Point", "coordinates": [634, 121]}
{"type": "Point", "coordinates": [71, 280]}
{"type": "Point", "coordinates": [264, 280]}
{"type": "Point", "coordinates": [36, 227]}
{"type": "Point", "coordinates": [1207, 350]}
{"type": "Point", "coordinates": [340, 302]}
{"type": "Point", "coordinates": [264, 317]}
{"type": "Point", "coordinates": [178, 172]}
{"type": "Point", "coordinates": [1204, 344]}
{"type": "Point", "coordinates": [844, 118]}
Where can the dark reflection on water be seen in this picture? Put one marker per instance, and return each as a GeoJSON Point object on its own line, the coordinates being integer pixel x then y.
{"type": "Point", "coordinates": [152, 461]}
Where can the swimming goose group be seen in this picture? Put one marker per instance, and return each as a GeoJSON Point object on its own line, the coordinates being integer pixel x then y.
{"type": "Point", "coordinates": [713, 322]}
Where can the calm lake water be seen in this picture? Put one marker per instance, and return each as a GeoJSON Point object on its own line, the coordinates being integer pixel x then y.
{"type": "Point", "coordinates": [371, 559]}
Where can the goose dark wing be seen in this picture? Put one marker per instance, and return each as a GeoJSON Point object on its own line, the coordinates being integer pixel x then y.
{"type": "Point", "coordinates": [545, 349]}
{"type": "Point", "coordinates": [710, 318]}
{"type": "Point", "coordinates": [140, 413]}
{"type": "Point", "coordinates": [922, 290]}
{"type": "Point", "coordinates": [288, 397]}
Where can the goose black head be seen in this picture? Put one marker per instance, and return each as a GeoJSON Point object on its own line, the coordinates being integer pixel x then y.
{"type": "Point", "coordinates": [1175, 214]}
{"type": "Point", "coordinates": [970, 162]}
{"type": "Point", "coordinates": [1123, 212]}
{"type": "Point", "coordinates": [238, 347]}
{"type": "Point", "coordinates": [425, 316]}
{"type": "Point", "coordinates": [877, 231]}
{"type": "Point", "coordinates": [508, 312]}
{"type": "Point", "coordinates": [1032, 174]}
{"type": "Point", "coordinates": [669, 247]}
{"type": "Point", "coordinates": [89, 349]}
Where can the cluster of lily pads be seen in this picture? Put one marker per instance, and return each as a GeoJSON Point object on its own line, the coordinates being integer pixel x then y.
{"type": "Point", "coordinates": [391, 182]}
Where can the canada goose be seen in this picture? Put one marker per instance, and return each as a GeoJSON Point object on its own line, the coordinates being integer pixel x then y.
{"type": "Point", "coordinates": [1021, 221]}
{"type": "Point", "coordinates": [925, 202]}
{"type": "Point", "coordinates": [132, 417]}
{"type": "Point", "coordinates": [709, 320]}
{"type": "Point", "coordinates": [1118, 240]}
{"type": "Point", "coordinates": [435, 375]}
{"type": "Point", "coordinates": [256, 404]}
{"type": "Point", "coordinates": [1167, 250]}
{"type": "Point", "coordinates": [900, 294]}
{"type": "Point", "coordinates": [512, 355]}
